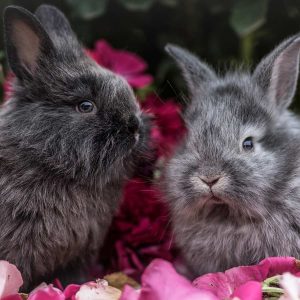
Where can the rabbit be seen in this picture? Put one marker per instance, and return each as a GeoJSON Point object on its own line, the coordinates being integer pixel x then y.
{"type": "Point", "coordinates": [70, 136]}
{"type": "Point", "coordinates": [233, 183]}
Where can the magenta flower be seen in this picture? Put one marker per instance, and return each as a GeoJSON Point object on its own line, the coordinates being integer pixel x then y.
{"type": "Point", "coordinates": [140, 230]}
{"type": "Point", "coordinates": [169, 128]}
{"type": "Point", "coordinates": [224, 285]}
{"type": "Point", "coordinates": [249, 291]}
{"type": "Point", "coordinates": [13, 297]}
{"type": "Point", "coordinates": [71, 290]}
{"type": "Point", "coordinates": [99, 290]}
{"type": "Point", "coordinates": [10, 280]}
{"type": "Point", "coordinates": [121, 62]}
{"type": "Point", "coordinates": [46, 292]}
{"type": "Point", "coordinates": [7, 85]}
{"type": "Point", "coordinates": [160, 281]}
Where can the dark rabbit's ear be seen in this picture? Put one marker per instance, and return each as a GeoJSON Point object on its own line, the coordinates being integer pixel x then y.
{"type": "Point", "coordinates": [57, 26]}
{"type": "Point", "coordinates": [196, 73]}
{"type": "Point", "coordinates": [26, 41]}
{"type": "Point", "coordinates": [277, 73]}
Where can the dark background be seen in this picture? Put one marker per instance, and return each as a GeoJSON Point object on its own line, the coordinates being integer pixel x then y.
{"type": "Point", "coordinates": [222, 32]}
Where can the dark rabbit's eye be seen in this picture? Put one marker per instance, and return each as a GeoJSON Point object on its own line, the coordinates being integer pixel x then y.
{"type": "Point", "coordinates": [248, 144]}
{"type": "Point", "coordinates": [85, 107]}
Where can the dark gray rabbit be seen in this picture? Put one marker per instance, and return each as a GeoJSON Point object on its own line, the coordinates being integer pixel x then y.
{"type": "Point", "coordinates": [69, 137]}
{"type": "Point", "coordinates": [233, 185]}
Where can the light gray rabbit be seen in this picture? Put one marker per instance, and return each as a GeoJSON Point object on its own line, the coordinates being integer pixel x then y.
{"type": "Point", "coordinates": [69, 137]}
{"type": "Point", "coordinates": [233, 185]}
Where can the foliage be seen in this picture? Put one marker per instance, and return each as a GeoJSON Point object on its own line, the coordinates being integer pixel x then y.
{"type": "Point", "coordinates": [247, 16]}
{"type": "Point", "coordinates": [224, 33]}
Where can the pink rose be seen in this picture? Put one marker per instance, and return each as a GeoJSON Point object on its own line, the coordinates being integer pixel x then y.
{"type": "Point", "coordinates": [124, 63]}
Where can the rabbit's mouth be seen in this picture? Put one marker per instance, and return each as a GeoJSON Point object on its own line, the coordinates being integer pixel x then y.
{"type": "Point", "coordinates": [211, 199]}
{"type": "Point", "coordinates": [216, 200]}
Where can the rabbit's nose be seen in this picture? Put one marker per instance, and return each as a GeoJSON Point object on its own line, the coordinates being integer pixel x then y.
{"type": "Point", "coordinates": [210, 180]}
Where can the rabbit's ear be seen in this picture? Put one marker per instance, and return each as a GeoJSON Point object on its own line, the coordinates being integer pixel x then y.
{"type": "Point", "coordinates": [57, 26]}
{"type": "Point", "coordinates": [196, 73]}
{"type": "Point", "coordinates": [26, 41]}
{"type": "Point", "coordinates": [277, 73]}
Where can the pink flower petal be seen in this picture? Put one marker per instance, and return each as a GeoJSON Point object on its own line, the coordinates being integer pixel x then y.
{"type": "Point", "coordinates": [160, 281]}
{"type": "Point", "coordinates": [7, 85]}
{"type": "Point", "coordinates": [10, 279]}
{"type": "Point", "coordinates": [223, 284]}
{"type": "Point", "coordinates": [12, 297]}
{"type": "Point", "coordinates": [278, 265]}
{"type": "Point", "coordinates": [291, 287]}
{"type": "Point", "coordinates": [128, 63]}
{"type": "Point", "coordinates": [56, 283]}
{"type": "Point", "coordinates": [124, 63]}
{"type": "Point", "coordinates": [130, 293]}
{"type": "Point", "coordinates": [139, 81]}
{"type": "Point", "coordinates": [47, 292]}
{"type": "Point", "coordinates": [71, 290]}
{"type": "Point", "coordinates": [98, 291]}
{"type": "Point", "coordinates": [104, 54]}
{"type": "Point", "coordinates": [252, 290]}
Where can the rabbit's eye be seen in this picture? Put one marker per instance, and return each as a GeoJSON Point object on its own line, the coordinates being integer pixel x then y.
{"type": "Point", "coordinates": [248, 144]}
{"type": "Point", "coordinates": [85, 107]}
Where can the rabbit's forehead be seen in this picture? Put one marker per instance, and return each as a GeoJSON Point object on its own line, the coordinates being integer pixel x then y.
{"type": "Point", "coordinates": [231, 113]}
{"type": "Point", "coordinates": [94, 83]}
{"type": "Point", "coordinates": [220, 124]}
{"type": "Point", "coordinates": [233, 103]}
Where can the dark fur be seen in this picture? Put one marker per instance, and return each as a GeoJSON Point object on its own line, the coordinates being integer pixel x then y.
{"type": "Point", "coordinates": [258, 211]}
{"type": "Point", "coordinates": [61, 171]}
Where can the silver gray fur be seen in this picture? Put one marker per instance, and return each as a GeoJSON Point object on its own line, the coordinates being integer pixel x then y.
{"type": "Point", "coordinates": [61, 171]}
{"type": "Point", "coordinates": [256, 209]}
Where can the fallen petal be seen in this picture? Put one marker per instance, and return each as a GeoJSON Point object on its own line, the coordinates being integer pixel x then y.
{"type": "Point", "coordinates": [224, 284]}
{"type": "Point", "coordinates": [291, 287]}
{"type": "Point", "coordinates": [46, 293]}
{"type": "Point", "coordinates": [249, 291]}
{"type": "Point", "coordinates": [12, 297]}
{"type": "Point", "coordinates": [71, 290]}
{"type": "Point", "coordinates": [10, 279]}
{"type": "Point", "coordinates": [160, 281]}
{"type": "Point", "coordinates": [97, 291]}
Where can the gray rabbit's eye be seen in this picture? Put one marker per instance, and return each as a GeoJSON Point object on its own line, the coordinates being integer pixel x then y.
{"type": "Point", "coordinates": [85, 107]}
{"type": "Point", "coordinates": [248, 144]}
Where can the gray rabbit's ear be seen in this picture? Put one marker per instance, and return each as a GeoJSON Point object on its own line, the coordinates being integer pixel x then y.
{"type": "Point", "coordinates": [277, 73]}
{"type": "Point", "coordinates": [57, 26]}
{"type": "Point", "coordinates": [26, 41]}
{"type": "Point", "coordinates": [196, 73]}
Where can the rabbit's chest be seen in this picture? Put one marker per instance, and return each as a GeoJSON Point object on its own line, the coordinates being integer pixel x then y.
{"type": "Point", "coordinates": [80, 229]}
{"type": "Point", "coordinates": [61, 227]}
{"type": "Point", "coordinates": [214, 235]}
{"type": "Point", "coordinates": [211, 246]}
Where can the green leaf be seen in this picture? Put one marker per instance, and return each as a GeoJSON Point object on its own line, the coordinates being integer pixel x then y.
{"type": "Point", "coordinates": [88, 9]}
{"type": "Point", "coordinates": [2, 55]}
{"type": "Point", "coordinates": [141, 5]}
{"type": "Point", "coordinates": [248, 15]}
{"type": "Point", "coordinates": [144, 92]}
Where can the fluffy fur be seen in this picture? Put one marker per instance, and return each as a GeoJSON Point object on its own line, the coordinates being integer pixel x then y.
{"type": "Point", "coordinates": [61, 171]}
{"type": "Point", "coordinates": [252, 209]}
